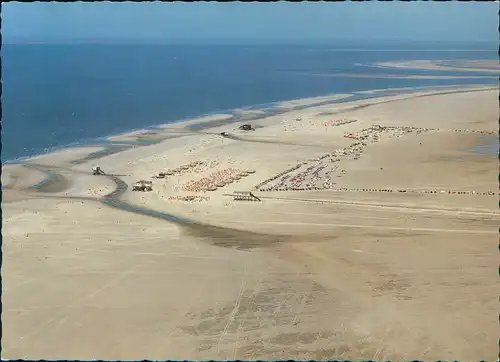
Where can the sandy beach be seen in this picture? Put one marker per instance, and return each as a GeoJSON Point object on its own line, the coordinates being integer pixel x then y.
{"type": "Point", "coordinates": [365, 229]}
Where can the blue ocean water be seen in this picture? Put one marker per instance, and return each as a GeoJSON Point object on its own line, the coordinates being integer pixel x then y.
{"type": "Point", "coordinates": [60, 94]}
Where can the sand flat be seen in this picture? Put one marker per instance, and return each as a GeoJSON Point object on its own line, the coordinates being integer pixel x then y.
{"type": "Point", "coordinates": [487, 66]}
{"type": "Point", "coordinates": [313, 100]}
{"type": "Point", "coordinates": [64, 156]}
{"type": "Point", "coordinates": [344, 272]}
{"type": "Point", "coordinates": [190, 122]}
{"type": "Point", "coordinates": [364, 75]}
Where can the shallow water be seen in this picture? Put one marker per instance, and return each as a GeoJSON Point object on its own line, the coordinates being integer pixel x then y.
{"type": "Point", "coordinates": [492, 147]}
{"type": "Point", "coordinates": [50, 177]}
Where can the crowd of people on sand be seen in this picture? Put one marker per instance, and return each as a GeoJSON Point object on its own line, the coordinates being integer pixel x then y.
{"type": "Point", "coordinates": [417, 191]}
{"type": "Point", "coordinates": [475, 131]}
{"type": "Point", "coordinates": [314, 177]}
{"type": "Point", "coordinates": [258, 187]}
{"type": "Point", "coordinates": [311, 179]}
{"type": "Point", "coordinates": [189, 198]}
{"type": "Point", "coordinates": [179, 170]}
{"type": "Point", "coordinates": [216, 180]}
{"type": "Point", "coordinates": [373, 133]}
{"type": "Point", "coordinates": [410, 191]}
{"type": "Point", "coordinates": [338, 122]}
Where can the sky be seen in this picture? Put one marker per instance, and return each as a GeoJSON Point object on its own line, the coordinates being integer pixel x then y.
{"type": "Point", "coordinates": [319, 21]}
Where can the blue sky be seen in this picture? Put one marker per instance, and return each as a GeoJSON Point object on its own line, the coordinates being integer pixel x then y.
{"type": "Point", "coordinates": [107, 21]}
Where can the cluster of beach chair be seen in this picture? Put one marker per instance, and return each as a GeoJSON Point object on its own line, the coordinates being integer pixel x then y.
{"type": "Point", "coordinates": [216, 180]}
{"type": "Point", "coordinates": [353, 150]}
{"type": "Point", "coordinates": [178, 170]}
{"type": "Point", "coordinates": [363, 138]}
{"type": "Point", "coordinates": [373, 133]}
{"type": "Point", "coordinates": [328, 184]}
{"type": "Point", "coordinates": [310, 178]}
{"type": "Point", "coordinates": [281, 174]}
{"type": "Point", "coordinates": [189, 198]}
{"type": "Point", "coordinates": [286, 188]}
{"type": "Point", "coordinates": [475, 131]}
{"type": "Point", "coordinates": [412, 191]}
{"type": "Point", "coordinates": [416, 191]}
{"type": "Point", "coordinates": [338, 122]}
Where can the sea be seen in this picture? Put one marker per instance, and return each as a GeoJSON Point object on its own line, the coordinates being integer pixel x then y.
{"type": "Point", "coordinates": [60, 95]}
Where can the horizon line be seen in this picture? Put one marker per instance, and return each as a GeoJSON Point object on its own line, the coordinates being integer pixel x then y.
{"type": "Point", "coordinates": [305, 41]}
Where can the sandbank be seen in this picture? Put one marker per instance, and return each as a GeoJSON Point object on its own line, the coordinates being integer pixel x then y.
{"type": "Point", "coordinates": [312, 100]}
{"type": "Point", "coordinates": [63, 156]}
{"type": "Point", "coordinates": [392, 76]}
{"type": "Point", "coordinates": [189, 122]}
{"type": "Point", "coordinates": [488, 66]}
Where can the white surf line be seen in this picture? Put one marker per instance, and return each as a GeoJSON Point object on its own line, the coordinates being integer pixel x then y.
{"type": "Point", "coordinates": [409, 229]}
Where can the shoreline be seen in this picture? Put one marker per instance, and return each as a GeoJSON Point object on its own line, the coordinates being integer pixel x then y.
{"type": "Point", "coordinates": [216, 123]}
{"type": "Point", "coordinates": [198, 127]}
{"type": "Point", "coordinates": [104, 140]}
{"type": "Point", "coordinates": [55, 183]}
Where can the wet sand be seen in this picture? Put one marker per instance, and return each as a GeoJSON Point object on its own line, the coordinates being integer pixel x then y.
{"type": "Point", "coordinates": [360, 263]}
{"type": "Point", "coordinates": [487, 66]}
{"type": "Point", "coordinates": [350, 75]}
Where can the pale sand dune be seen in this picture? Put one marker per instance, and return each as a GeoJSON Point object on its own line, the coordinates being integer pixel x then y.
{"type": "Point", "coordinates": [318, 274]}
